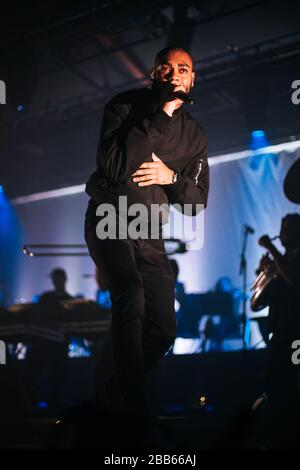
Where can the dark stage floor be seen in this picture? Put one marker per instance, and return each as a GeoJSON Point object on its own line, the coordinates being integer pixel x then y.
{"type": "Point", "coordinates": [197, 402]}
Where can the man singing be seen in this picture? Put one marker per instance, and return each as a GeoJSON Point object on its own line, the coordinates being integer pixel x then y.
{"type": "Point", "coordinates": [152, 151]}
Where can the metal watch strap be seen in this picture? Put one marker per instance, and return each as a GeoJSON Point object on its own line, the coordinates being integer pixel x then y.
{"type": "Point", "coordinates": [174, 177]}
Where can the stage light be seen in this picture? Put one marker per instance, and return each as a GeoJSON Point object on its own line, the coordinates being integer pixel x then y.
{"type": "Point", "coordinates": [21, 108]}
{"type": "Point", "coordinates": [258, 139]}
{"type": "Point", "coordinates": [258, 133]}
{"type": "Point", "coordinates": [260, 147]}
{"type": "Point", "coordinates": [202, 401]}
{"type": "Point", "coordinates": [10, 240]}
{"type": "Point", "coordinates": [259, 144]}
{"type": "Point", "coordinates": [42, 404]}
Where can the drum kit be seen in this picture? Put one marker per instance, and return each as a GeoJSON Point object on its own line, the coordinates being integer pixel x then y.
{"type": "Point", "coordinates": [264, 279]}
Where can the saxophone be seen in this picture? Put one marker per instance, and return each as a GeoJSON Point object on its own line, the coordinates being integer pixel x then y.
{"type": "Point", "coordinates": [265, 278]}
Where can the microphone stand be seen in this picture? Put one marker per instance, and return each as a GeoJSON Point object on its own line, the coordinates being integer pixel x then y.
{"type": "Point", "coordinates": [243, 272]}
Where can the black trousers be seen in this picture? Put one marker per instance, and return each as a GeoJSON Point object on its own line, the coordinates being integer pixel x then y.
{"type": "Point", "coordinates": [141, 285]}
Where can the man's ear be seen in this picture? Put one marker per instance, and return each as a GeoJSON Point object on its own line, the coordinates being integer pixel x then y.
{"type": "Point", "coordinates": [193, 79]}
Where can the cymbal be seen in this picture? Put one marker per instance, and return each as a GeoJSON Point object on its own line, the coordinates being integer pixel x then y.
{"type": "Point", "coordinates": [291, 185]}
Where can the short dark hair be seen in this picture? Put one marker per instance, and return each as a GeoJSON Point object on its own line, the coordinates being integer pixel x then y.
{"type": "Point", "coordinates": [58, 272]}
{"type": "Point", "coordinates": [164, 52]}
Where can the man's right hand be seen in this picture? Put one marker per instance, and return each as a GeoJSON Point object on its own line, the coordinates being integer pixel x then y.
{"type": "Point", "coordinates": [167, 100]}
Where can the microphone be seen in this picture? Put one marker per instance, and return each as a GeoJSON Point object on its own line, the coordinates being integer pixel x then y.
{"type": "Point", "coordinates": [188, 99]}
{"type": "Point", "coordinates": [249, 229]}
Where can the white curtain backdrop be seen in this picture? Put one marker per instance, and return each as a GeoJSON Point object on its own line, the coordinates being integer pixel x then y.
{"type": "Point", "coordinates": [245, 191]}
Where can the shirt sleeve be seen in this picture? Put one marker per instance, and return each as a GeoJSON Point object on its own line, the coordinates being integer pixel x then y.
{"type": "Point", "coordinates": [125, 144]}
{"type": "Point", "coordinates": [192, 185]}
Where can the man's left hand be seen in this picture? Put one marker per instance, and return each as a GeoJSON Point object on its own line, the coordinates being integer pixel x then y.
{"type": "Point", "coordinates": [155, 172]}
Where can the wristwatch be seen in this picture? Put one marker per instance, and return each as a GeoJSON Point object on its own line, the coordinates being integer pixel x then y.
{"type": "Point", "coordinates": [174, 177]}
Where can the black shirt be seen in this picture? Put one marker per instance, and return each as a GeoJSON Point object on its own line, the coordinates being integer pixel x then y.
{"type": "Point", "coordinates": [133, 127]}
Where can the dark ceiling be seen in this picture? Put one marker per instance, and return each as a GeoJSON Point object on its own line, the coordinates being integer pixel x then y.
{"type": "Point", "coordinates": [62, 61]}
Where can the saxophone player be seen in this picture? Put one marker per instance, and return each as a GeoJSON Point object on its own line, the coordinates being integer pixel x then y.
{"type": "Point", "coordinates": [283, 298]}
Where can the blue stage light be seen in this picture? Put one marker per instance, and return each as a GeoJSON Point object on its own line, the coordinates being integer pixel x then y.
{"type": "Point", "coordinates": [258, 139]}
{"type": "Point", "coordinates": [258, 142]}
{"type": "Point", "coordinates": [10, 242]}
{"type": "Point", "coordinates": [258, 133]}
{"type": "Point", "coordinates": [42, 404]}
